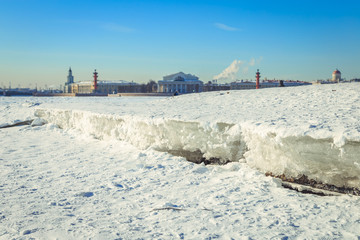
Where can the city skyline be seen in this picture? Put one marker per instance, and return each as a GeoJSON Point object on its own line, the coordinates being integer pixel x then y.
{"type": "Point", "coordinates": [143, 40]}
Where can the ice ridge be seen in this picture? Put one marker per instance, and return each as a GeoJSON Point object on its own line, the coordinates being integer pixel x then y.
{"type": "Point", "coordinates": [292, 156]}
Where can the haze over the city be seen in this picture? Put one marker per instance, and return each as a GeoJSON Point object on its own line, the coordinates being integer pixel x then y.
{"type": "Point", "coordinates": [143, 40]}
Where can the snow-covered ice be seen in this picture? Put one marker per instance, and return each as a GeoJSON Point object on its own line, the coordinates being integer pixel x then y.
{"type": "Point", "coordinates": [101, 168]}
{"type": "Point", "coordinates": [312, 131]}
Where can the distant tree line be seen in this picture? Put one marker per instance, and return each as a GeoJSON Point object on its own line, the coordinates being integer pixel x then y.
{"type": "Point", "coordinates": [149, 87]}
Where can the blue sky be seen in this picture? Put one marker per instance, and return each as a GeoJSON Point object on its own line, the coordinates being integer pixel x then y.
{"type": "Point", "coordinates": [142, 40]}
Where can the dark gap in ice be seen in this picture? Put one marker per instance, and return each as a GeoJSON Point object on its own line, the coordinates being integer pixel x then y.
{"type": "Point", "coordinates": [22, 123]}
{"type": "Point", "coordinates": [198, 157]}
{"type": "Point", "coordinates": [305, 191]}
{"type": "Point", "coordinates": [168, 208]}
{"type": "Point", "coordinates": [313, 185]}
{"type": "Point", "coordinates": [85, 194]}
{"type": "Point", "coordinates": [27, 232]}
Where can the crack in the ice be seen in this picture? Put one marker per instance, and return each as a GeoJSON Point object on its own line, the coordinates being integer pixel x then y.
{"type": "Point", "coordinates": [21, 123]}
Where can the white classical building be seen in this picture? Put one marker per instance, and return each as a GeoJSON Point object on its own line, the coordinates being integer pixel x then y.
{"type": "Point", "coordinates": [180, 83]}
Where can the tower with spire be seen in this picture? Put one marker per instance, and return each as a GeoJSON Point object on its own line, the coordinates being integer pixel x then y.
{"type": "Point", "coordinates": [70, 80]}
{"type": "Point", "coordinates": [70, 77]}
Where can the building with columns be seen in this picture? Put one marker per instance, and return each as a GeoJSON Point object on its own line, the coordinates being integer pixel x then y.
{"type": "Point", "coordinates": [180, 83]}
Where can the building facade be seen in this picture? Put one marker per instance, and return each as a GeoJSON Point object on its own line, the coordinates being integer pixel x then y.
{"type": "Point", "coordinates": [120, 86]}
{"type": "Point", "coordinates": [336, 76]}
{"type": "Point", "coordinates": [214, 86]}
{"type": "Point", "coordinates": [69, 82]}
{"type": "Point", "coordinates": [180, 83]}
{"type": "Point", "coordinates": [244, 85]}
{"type": "Point", "coordinates": [105, 87]}
{"type": "Point", "coordinates": [100, 86]}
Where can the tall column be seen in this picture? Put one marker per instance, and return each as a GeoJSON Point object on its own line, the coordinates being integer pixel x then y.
{"type": "Point", "coordinates": [257, 79]}
{"type": "Point", "coordinates": [95, 80]}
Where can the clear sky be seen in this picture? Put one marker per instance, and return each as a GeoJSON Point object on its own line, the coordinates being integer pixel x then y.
{"type": "Point", "coordinates": [143, 40]}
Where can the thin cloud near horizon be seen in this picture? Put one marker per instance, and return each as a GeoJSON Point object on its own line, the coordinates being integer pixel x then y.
{"type": "Point", "coordinates": [226, 27]}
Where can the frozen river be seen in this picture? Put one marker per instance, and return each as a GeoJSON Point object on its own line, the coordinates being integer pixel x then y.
{"type": "Point", "coordinates": [101, 168]}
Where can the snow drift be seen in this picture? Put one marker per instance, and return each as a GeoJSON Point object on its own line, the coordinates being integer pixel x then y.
{"type": "Point", "coordinates": [317, 158]}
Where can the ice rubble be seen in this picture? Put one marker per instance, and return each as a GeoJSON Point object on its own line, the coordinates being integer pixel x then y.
{"type": "Point", "coordinates": [219, 140]}
{"type": "Point", "coordinates": [317, 158]}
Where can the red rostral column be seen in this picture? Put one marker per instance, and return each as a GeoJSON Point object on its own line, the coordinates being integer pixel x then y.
{"type": "Point", "coordinates": [257, 79]}
{"type": "Point", "coordinates": [95, 80]}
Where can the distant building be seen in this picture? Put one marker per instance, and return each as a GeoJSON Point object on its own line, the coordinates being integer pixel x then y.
{"type": "Point", "coordinates": [355, 80]}
{"type": "Point", "coordinates": [181, 83]}
{"type": "Point", "coordinates": [214, 86]}
{"type": "Point", "coordinates": [100, 86]}
{"type": "Point", "coordinates": [106, 87]}
{"type": "Point", "coordinates": [119, 86]}
{"type": "Point", "coordinates": [243, 85]}
{"type": "Point", "coordinates": [70, 81]}
{"type": "Point", "coordinates": [293, 83]}
{"type": "Point", "coordinates": [336, 76]}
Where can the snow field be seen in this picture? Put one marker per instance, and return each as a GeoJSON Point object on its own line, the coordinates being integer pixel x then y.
{"type": "Point", "coordinates": [309, 130]}
{"type": "Point", "coordinates": [102, 175]}
{"type": "Point", "coordinates": [318, 159]}
{"type": "Point", "coordinates": [63, 185]}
